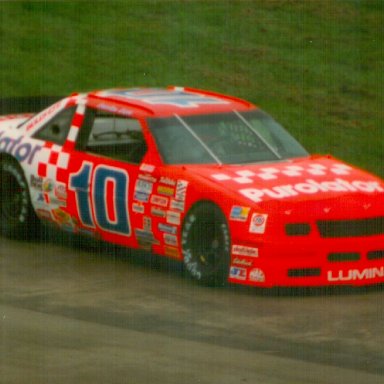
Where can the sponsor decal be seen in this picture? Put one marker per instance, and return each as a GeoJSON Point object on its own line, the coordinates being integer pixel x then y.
{"type": "Point", "coordinates": [181, 190]}
{"type": "Point", "coordinates": [172, 252]}
{"type": "Point", "coordinates": [242, 250]}
{"type": "Point", "coordinates": [16, 147]}
{"type": "Point", "coordinates": [147, 168]}
{"type": "Point", "coordinates": [356, 274]}
{"type": "Point", "coordinates": [141, 196]}
{"type": "Point", "coordinates": [143, 186]}
{"type": "Point", "coordinates": [48, 185]}
{"type": "Point", "coordinates": [257, 275]}
{"type": "Point", "coordinates": [258, 223]}
{"type": "Point", "coordinates": [61, 216]}
{"type": "Point", "coordinates": [44, 214]}
{"type": "Point", "coordinates": [242, 262]}
{"type": "Point", "coordinates": [239, 213]}
{"type": "Point", "coordinates": [311, 187]}
{"type": "Point", "coordinates": [55, 201]}
{"type": "Point", "coordinates": [147, 223]}
{"type": "Point", "coordinates": [168, 181]}
{"type": "Point", "coordinates": [138, 208]}
{"type": "Point", "coordinates": [177, 205]}
{"type": "Point", "coordinates": [170, 239]}
{"type": "Point", "coordinates": [165, 190]}
{"type": "Point", "coordinates": [159, 200]}
{"type": "Point", "coordinates": [61, 191]}
{"type": "Point", "coordinates": [43, 199]}
{"type": "Point", "coordinates": [146, 177]}
{"type": "Point", "coordinates": [167, 228]}
{"type": "Point", "coordinates": [173, 217]}
{"type": "Point", "coordinates": [158, 212]}
{"type": "Point", "coordinates": [145, 237]}
{"type": "Point", "coordinates": [36, 182]}
{"type": "Point", "coordinates": [237, 273]}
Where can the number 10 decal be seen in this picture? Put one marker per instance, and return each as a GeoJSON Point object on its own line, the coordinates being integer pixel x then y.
{"type": "Point", "coordinates": [107, 201]}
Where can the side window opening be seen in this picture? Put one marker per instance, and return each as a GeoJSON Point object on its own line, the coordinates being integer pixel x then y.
{"type": "Point", "coordinates": [115, 136]}
{"type": "Point", "coordinates": [57, 129]}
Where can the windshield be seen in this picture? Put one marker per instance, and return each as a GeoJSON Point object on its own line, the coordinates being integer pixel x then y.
{"type": "Point", "coordinates": [228, 138]}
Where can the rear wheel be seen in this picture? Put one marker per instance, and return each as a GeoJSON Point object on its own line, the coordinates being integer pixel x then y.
{"type": "Point", "coordinates": [16, 213]}
{"type": "Point", "coordinates": [206, 244]}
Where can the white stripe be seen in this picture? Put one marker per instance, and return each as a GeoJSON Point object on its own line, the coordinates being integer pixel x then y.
{"type": "Point", "coordinates": [72, 135]}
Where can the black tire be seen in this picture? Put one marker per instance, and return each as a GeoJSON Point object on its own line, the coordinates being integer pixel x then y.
{"type": "Point", "coordinates": [206, 244]}
{"type": "Point", "coordinates": [17, 218]}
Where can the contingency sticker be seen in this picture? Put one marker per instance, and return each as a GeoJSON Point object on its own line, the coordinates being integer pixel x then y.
{"type": "Point", "coordinates": [239, 213]}
{"type": "Point", "coordinates": [258, 223]}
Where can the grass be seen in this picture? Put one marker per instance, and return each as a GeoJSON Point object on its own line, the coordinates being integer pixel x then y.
{"type": "Point", "coordinates": [316, 65]}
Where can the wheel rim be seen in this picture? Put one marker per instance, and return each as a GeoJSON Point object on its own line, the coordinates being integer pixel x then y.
{"type": "Point", "coordinates": [206, 244]}
{"type": "Point", "coordinates": [12, 195]}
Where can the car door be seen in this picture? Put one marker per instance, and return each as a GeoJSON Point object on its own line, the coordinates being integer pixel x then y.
{"type": "Point", "coordinates": [103, 188]}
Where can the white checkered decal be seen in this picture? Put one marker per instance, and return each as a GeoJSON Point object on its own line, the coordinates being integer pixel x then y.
{"type": "Point", "coordinates": [271, 173]}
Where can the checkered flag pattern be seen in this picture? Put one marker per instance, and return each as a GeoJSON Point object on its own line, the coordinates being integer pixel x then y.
{"type": "Point", "coordinates": [271, 173]}
{"type": "Point", "coordinates": [54, 158]}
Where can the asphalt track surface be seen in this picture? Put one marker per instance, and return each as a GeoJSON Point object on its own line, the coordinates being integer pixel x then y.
{"type": "Point", "coordinates": [73, 312]}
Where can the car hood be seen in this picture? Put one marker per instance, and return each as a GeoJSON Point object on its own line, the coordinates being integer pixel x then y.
{"type": "Point", "coordinates": [320, 181]}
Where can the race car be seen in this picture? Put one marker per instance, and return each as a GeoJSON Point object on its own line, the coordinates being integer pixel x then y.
{"type": "Point", "coordinates": [207, 179]}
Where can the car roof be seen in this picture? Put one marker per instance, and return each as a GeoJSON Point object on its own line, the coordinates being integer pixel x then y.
{"type": "Point", "coordinates": [164, 102]}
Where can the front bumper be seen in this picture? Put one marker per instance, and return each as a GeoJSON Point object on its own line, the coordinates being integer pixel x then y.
{"type": "Point", "coordinates": [311, 262]}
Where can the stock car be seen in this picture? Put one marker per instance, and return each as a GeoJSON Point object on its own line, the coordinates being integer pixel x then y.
{"type": "Point", "coordinates": [204, 178]}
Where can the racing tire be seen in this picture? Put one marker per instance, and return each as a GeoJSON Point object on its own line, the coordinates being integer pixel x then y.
{"type": "Point", "coordinates": [17, 218]}
{"type": "Point", "coordinates": [206, 244]}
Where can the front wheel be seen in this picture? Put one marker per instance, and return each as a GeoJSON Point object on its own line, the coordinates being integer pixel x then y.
{"type": "Point", "coordinates": [16, 214]}
{"type": "Point", "coordinates": [206, 244]}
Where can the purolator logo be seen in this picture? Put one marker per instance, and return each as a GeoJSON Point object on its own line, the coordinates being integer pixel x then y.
{"type": "Point", "coordinates": [311, 187]}
{"type": "Point", "coordinates": [356, 274]}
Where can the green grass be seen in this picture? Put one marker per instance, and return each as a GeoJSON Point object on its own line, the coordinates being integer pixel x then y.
{"type": "Point", "coordinates": [316, 65]}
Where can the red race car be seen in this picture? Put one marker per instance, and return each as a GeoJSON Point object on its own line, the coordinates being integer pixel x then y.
{"type": "Point", "coordinates": [196, 176]}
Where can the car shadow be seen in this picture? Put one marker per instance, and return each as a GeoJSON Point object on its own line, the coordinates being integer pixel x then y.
{"type": "Point", "coordinates": [147, 260]}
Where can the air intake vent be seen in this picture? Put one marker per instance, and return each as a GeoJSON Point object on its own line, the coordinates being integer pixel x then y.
{"type": "Point", "coordinates": [351, 228]}
{"type": "Point", "coordinates": [341, 257]}
{"type": "Point", "coordinates": [298, 229]}
{"type": "Point", "coordinates": [304, 272]}
{"type": "Point", "coordinates": [375, 255]}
